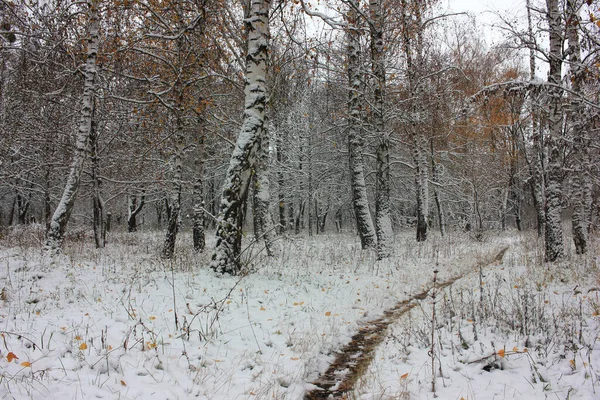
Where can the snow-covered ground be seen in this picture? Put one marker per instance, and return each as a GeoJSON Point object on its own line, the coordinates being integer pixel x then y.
{"type": "Point", "coordinates": [120, 323]}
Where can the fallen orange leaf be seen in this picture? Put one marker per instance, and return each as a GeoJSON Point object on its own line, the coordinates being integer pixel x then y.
{"type": "Point", "coordinates": [404, 376]}
{"type": "Point", "coordinates": [11, 356]}
{"type": "Point", "coordinates": [25, 364]}
{"type": "Point", "coordinates": [328, 313]}
{"type": "Point", "coordinates": [82, 346]}
{"type": "Point", "coordinates": [123, 383]}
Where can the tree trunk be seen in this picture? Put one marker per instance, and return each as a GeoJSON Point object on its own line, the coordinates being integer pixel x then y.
{"type": "Point", "coordinates": [98, 221]}
{"type": "Point", "coordinates": [383, 220]}
{"type": "Point", "coordinates": [290, 215]}
{"type": "Point", "coordinates": [435, 176]}
{"type": "Point", "coordinates": [338, 220]}
{"type": "Point", "coordinates": [264, 228]}
{"type": "Point", "coordinates": [47, 205]}
{"type": "Point", "coordinates": [299, 216]}
{"type": "Point", "coordinates": [364, 222]}
{"type": "Point", "coordinates": [413, 50]}
{"type": "Point", "coordinates": [281, 185]}
{"type": "Point", "coordinates": [536, 160]}
{"type": "Point", "coordinates": [198, 234]}
{"type": "Point", "coordinates": [175, 203]}
{"type": "Point", "coordinates": [504, 208]}
{"type": "Point", "coordinates": [134, 209]}
{"type": "Point", "coordinates": [554, 246]}
{"type": "Point", "coordinates": [12, 212]}
{"type": "Point", "coordinates": [226, 258]}
{"type": "Point", "coordinates": [477, 208]}
{"type": "Point", "coordinates": [212, 195]}
{"type": "Point", "coordinates": [60, 218]}
{"type": "Point", "coordinates": [421, 185]}
{"type": "Point", "coordinates": [158, 206]}
{"type": "Point", "coordinates": [581, 215]}
{"type": "Point", "coordinates": [22, 208]}
{"type": "Point", "coordinates": [310, 188]}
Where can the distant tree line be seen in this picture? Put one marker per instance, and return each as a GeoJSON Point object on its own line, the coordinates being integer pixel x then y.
{"type": "Point", "coordinates": [283, 118]}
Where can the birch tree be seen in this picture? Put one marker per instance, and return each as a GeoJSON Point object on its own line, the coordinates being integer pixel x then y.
{"type": "Point", "coordinates": [554, 243]}
{"type": "Point", "coordinates": [58, 224]}
{"type": "Point", "coordinates": [383, 220]}
{"type": "Point", "coordinates": [226, 258]}
{"type": "Point", "coordinates": [581, 218]}
{"type": "Point", "coordinates": [264, 229]}
{"type": "Point", "coordinates": [412, 37]}
{"type": "Point", "coordinates": [364, 222]}
{"type": "Point", "coordinates": [537, 159]}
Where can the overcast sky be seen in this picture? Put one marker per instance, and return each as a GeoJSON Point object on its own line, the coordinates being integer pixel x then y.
{"type": "Point", "coordinates": [481, 6]}
{"type": "Point", "coordinates": [486, 13]}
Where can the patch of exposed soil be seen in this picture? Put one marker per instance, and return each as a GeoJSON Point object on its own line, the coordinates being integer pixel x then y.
{"type": "Point", "coordinates": [352, 361]}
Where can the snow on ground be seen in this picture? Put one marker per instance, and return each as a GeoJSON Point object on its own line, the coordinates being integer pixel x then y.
{"type": "Point", "coordinates": [530, 332]}
{"type": "Point", "coordinates": [122, 323]}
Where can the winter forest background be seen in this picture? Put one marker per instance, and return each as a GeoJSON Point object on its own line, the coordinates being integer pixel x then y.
{"type": "Point", "coordinates": [361, 116]}
{"type": "Point", "coordinates": [252, 199]}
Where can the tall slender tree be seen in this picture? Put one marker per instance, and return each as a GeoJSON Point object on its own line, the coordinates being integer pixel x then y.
{"type": "Point", "coordinates": [56, 232]}
{"type": "Point", "coordinates": [383, 220]}
{"type": "Point", "coordinates": [581, 218]}
{"type": "Point", "coordinates": [364, 221]}
{"type": "Point", "coordinates": [554, 243]}
{"type": "Point", "coordinates": [226, 258]}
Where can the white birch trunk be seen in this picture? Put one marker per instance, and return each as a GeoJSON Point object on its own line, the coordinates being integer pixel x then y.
{"type": "Point", "coordinates": [175, 202]}
{"type": "Point", "coordinates": [383, 220]}
{"type": "Point", "coordinates": [264, 229]}
{"type": "Point", "coordinates": [581, 217]}
{"type": "Point", "coordinates": [412, 37]}
{"type": "Point", "coordinates": [536, 161]}
{"type": "Point", "coordinates": [60, 218]}
{"type": "Point", "coordinates": [364, 222]}
{"type": "Point", "coordinates": [421, 184]}
{"type": "Point", "coordinates": [554, 244]}
{"type": "Point", "coordinates": [226, 258]}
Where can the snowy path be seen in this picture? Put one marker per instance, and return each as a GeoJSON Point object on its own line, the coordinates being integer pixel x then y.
{"type": "Point", "coordinates": [356, 356]}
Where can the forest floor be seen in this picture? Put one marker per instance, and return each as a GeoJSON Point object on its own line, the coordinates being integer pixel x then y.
{"type": "Point", "coordinates": [120, 323]}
